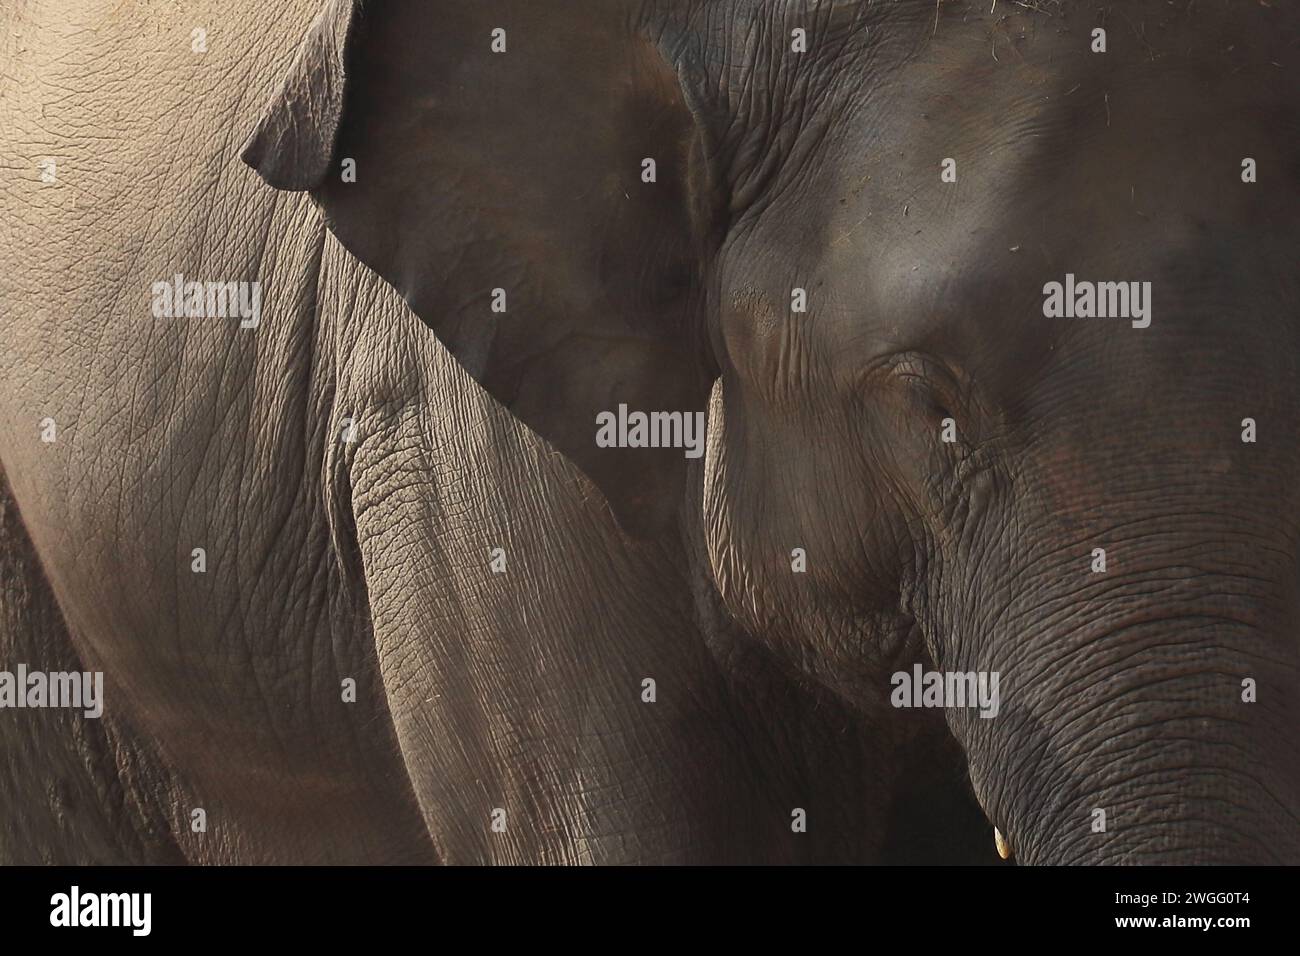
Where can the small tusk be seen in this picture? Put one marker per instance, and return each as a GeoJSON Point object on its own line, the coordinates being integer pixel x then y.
{"type": "Point", "coordinates": [1004, 848]}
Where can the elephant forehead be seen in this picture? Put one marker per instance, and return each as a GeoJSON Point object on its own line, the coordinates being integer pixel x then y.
{"type": "Point", "coordinates": [925, 218]}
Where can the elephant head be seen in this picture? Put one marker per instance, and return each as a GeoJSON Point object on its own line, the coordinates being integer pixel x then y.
{"type": "Point", "coordinates": [848, 231]}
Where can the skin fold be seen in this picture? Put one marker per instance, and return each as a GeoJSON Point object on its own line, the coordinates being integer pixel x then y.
{"type": "Point", "coordinates": [522, 691]}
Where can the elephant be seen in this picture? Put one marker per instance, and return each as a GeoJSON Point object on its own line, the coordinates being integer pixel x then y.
{"type": "Point", "coordinates": [988, 549]}
{"type": "Point", "coordinates": [347, 679]}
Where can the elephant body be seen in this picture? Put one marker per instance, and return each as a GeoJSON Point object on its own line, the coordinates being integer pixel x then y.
{"type": "Point", "coordinates": [364, 585]}
{"type": "Point", "coordinates": [519, 691]}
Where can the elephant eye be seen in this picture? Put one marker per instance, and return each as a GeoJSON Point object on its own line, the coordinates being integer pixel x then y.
{"type": "Point", "coordinates": [931, 383]}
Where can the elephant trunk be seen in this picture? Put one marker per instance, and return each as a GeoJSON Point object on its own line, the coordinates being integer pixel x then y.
{"type": "Point", "coordinates": [1148, 736]}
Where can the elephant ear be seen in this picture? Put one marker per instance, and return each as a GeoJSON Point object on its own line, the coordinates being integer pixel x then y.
{"type": "Point", "coordinates": [293, 144]}
{"type": "Point", "coordinates": [532, 178]}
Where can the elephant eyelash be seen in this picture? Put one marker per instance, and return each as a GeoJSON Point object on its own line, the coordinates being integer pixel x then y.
{"type": "Point", "coordinates": [934, 385]}
{"type": "Point", "coordinates": [935, 393]}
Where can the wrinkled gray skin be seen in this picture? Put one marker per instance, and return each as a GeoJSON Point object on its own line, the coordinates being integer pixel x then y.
{"type": "Point", "coordinates": [327, 560]}
{"type": "Point", "coordinates": [1120, 691]}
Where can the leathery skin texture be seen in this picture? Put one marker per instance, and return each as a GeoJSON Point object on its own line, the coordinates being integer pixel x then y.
{"type": "Point", "coordinates": [649, 431]}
